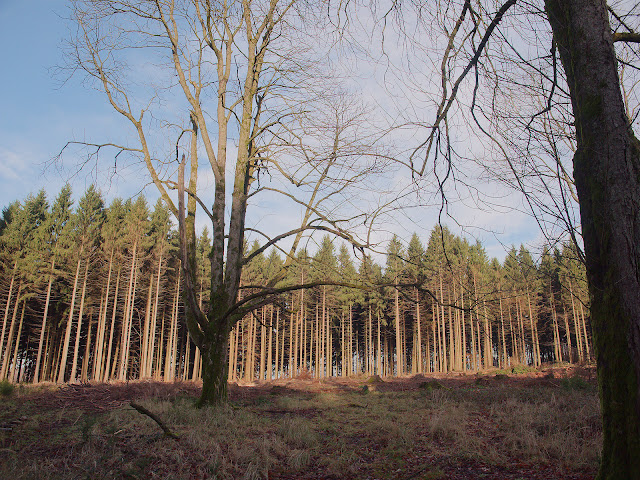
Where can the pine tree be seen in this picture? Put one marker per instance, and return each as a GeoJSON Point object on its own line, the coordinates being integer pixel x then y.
{"type": "Point", "coordinates": [52, 231]}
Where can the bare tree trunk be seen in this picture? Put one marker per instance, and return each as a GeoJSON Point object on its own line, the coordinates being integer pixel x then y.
{"type": "Point", "coordinates": [270, 346]}
{"type": "Point", "coordinates": [584, 332]}
{"type": "Point", "coordinates": [146, 332]}
{"type": "Point", "coordinates": [488, 346]}
{"type": "Point", "coordinates": [504, 343]}
{"type": "Point", "coordinates": [15, 365]}
{"type": "Point", "coordinates": [379, 353]}
{"type": "Point", "coordinates": [534, 333]}
{"type": "Point", "coordinates": [8, 306]}
{"type": "Point", "coordinates": [606, 166]}
{"type": "Point", "coordinates": [343, 372]}
{"type": "Point", "coordinates": [102, 326]}
{"type": "Point", "coordinates": [316, 339]}
{"type": "Point", "coordinates": [74, 363]}
{"type": "Point", "coordinates": [125, 340]}
{"type": "Point", "coordinates": [67, 336]}
{"type": "Point", "coordinates": [463, 326]}
{"type": "Point", "coordinates": [36, 374]}
{"type": "Point", "coordinates": [443, 330]}
{"type": "Point", "coordinates": [263, 352]}
{"type": "Point", "coordinates": [98, 348]}
{"type": "Point", "coordinates": [418, 344]}
{"type": "Point", "coordinates": [87, 351]}
{"type": "Point", "coordinates": [111, 331]}
{"type": "Point", "coordinates": [576, 328]}
{"type": "Point", "coordinates": [396, 300]}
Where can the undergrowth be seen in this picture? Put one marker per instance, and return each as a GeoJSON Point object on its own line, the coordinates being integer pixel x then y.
{"type": "Point", "coordinates": [339, 434]}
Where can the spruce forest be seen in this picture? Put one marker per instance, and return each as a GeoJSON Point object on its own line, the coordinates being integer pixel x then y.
{"type": "Point", "coordinates": [92, 292]}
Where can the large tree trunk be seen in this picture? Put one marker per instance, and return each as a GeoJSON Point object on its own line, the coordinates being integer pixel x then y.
{"type": "Point", "coordinates": [607, 177]}
{"type": "Point", "coordinates": [214, 368]}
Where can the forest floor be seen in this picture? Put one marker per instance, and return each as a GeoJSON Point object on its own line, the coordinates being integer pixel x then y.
{"type": "Point", "coordinates": [497, 425]}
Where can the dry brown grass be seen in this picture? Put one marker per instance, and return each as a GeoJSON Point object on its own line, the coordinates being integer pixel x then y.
{"type": "Point", "coordinates": [496, 428]}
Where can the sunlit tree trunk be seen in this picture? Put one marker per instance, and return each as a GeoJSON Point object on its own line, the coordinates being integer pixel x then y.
{"type": "Point", "coordinates": [76, 347]}
{"type": "Point", "coordinates": [112, 329]}
{"type": "Point", "coordinates": [87, 351]}
{"type": "Point", "coordinates": [43, 327]}
{"type": "Point", "coordinates": [7, 306]}
{"type": "Point", "coordinates": [14, 360]}
{"type": "Point", "coordinates": [67, 335]}
{"type": "Point", "coordinates": [505, 359]}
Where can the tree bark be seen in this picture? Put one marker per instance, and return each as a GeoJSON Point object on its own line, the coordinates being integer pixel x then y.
{"type": "Point", "coordinates": [36, 375]}
{"type": "Point", "coordinates": [607, 178]}
{"type": "Point", "coordinates": [76, 348]}
{"type": "Point", "coordinates": [214, 368]}
{"type": "Point", "coordinates": [67, 335]}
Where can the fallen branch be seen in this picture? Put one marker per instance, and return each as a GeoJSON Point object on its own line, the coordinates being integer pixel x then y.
{"type": "Point", "coordinates": [167, 431]}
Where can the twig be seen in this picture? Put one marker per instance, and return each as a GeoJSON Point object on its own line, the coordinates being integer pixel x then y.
{"type": "Point", "coordinates": [167, 431]}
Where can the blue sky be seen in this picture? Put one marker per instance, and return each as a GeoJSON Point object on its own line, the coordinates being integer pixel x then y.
{"type": "Point", "coordinates": [40, 112]}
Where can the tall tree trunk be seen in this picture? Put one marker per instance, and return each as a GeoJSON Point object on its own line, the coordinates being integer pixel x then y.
{"type": "Point", "coordinates": [15, 367]}
{"type": "Point", "coordinates": [276, 351]}
{"type": "Point", "coordinates": [43, 328]}
{"type": "Point", "coordinates": [87, 351]}
{"type": "Point", "coordinates": [418, 344]}
{"type": "Point", "coordinates": [76, 349]}
{"type": "Point", "coordinates": [316, 340]}
{"type": "Point", "coordinates": [99, 343]}
{"type": "Point", "coordinates": [584, 332]}
{"type": "Point", "coordinates": [154, 320]}
{"type": "Point", "coordinates": [67, 335]}
{"type": "Point", "coordinates": [606, 170]}
{"type": "Point", "coordinates": [504, 343]}
{"type": "Point", "coordinates": [7, 306]}
{"type": "Point", "coordinates": [263, 334]}
{"type": "Point", "coordinates": [125, 340]}
{"type": "Point", "coordinates": [102, 325]}
{"type": "Point", "coordinates": [379, 353]}
{"type": "Point", "coordinates": [464, 330]}
{"type": "Point", "coordinates": [576, 328]}
{"type": "Point", "coordinates": [396, 303]}
{"type": "Point", "coordinates": [343, 350]}
{"type": "Point", "coordinates": [443, 330]}
{"type": "Point", "coordinates": [270, 346]}
{"type": "Point", "coordinates": [514, 342]}
{"type": "Point", "coordinates": [370, 343]}
{"type": "Point", "coordinates": [534, 332]}
{"type": "Point", "coordinates": [107, 362]}
{"type": "Point", "coordinates": [146, 332]}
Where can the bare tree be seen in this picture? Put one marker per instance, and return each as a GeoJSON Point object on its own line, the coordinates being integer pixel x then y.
{"type": "Point", "coordinates": [221, 81]}
{"type": "Point", "coordinates": [574, 75]}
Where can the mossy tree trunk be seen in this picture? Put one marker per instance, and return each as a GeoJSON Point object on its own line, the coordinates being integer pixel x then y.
{"type": "Point", "coordinates": [215, 367]}
{"type": "Point", "coordinates": [607, 178]}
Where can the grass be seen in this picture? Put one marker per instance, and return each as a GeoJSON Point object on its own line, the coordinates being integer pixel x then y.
{"type": "Point", "coordinates": [413, 433]}
{"type": "Point", "coordinates": [6, 388]}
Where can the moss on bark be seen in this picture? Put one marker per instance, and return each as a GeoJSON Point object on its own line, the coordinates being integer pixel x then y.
{"type": "Point", "coordinates": [610, 215]}
{"type": "Point", "coordinates": [214, 369]}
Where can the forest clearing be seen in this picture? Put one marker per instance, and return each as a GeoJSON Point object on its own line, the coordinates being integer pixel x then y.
{"type": "Point", "coordinates": [310, 295]}
{"type": "Point", "coordinates": [532, 424]}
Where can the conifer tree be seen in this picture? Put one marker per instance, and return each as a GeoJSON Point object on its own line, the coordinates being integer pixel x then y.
{"type": "Point", "coordinates": [52, 231]}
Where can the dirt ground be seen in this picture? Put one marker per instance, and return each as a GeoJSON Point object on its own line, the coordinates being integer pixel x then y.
{"type": "Point", "coordinates": [419, 427]}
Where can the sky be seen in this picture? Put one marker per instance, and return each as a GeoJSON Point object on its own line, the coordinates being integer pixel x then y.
{"type": "Point", "coordinates": [41, 110]}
